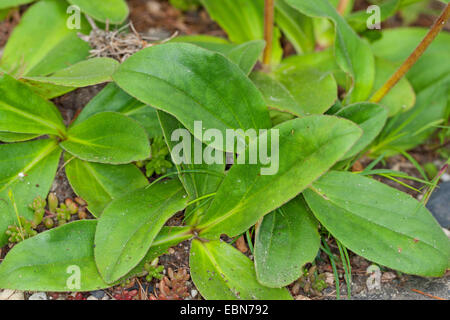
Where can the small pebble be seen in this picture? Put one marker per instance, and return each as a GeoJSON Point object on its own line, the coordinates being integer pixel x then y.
{"type": "Point", "coordinates": [91, 298]}
{"type": "Point", "coordinates": [194, 293]}
{"type": "Point", "coordinates": [99, 294]}
{"type": "Point", "coordinates": [38, 296]}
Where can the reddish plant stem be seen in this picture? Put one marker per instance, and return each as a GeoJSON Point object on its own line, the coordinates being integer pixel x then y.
{"type": "Point", "coordinates": [342, 6]}
{"type": "Point", "coordinates": [412, 59]}
{"type": "Point", "coordinates": [268, 30]}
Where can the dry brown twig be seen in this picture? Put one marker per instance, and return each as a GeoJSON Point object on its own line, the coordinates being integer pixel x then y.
{"type": "Point", "coordinates": [118, 44]}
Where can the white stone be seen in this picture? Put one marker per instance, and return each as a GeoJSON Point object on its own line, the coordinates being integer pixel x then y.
{"type": "Point", "coordinates": [38, 296]}
{"type": "Point", "coordinates": [194, 293]}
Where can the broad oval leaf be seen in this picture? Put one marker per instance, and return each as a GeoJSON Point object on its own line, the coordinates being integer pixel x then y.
{"type": "Point", "coordinates": [220, 272]}
{"type": "Point", "coordinates": [370, 117]}
{"type": "Point", "coordinates": [129, 225]}
{"type": "Point", "coordinates": [112, 98]}
{"type": "Point", "coordinates": [27, 170]}
{"type": "Point", "coordinates": [113, 11]}
{"type": "Point", "coordinates": [98, 184]}
{"type": "Point", "coordinates": [308, 147]}
{"type": "Point", "coordinates": [42, 44]}
{"type": "Point", "coordinates": [286, 240]}
{"type": "Point", "coordinates": [353, 54]}
{"type": "Point", "coordinates": [52, 261]}
{"type": "Point", "coordinates": [16, 137]}
{"type": "Point", "coordinates": [194, 84]}
{"type": "Point", "coordinates": [380, 223]}
{"type": "Point", "coordinates": [82, 74]}
{"type": "Point", "coordinates": [108, 137]}
{"type": "Point", "coordinates": [23, 111]}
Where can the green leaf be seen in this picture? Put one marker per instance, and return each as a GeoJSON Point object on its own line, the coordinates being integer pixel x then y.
{"type": "Point", "coordinates": [370, 117]}
{"type": "Point", "coordinates": [353, 54]}
{"type": "Point", "coordinates": [243, 20]}
{"type": "Point", "coordinates": [82, 74]}
{"type": "Point", "coordinates": [16, 137]}
{"type": "Point", "coordinates": [52, 260]}
{"type": "Point", "coordinates": [277, 96]}
{"type": "Point", "coordinates": [129, 225]}
{"type": "Point", "coordinates": [401, 97]}
{"type": "Point", "coordinates": [380, 223]}
{"type": "Point", "coordinates": [313, 90]}
{"type": "Point", "coordinates": [298, 28]}
{"type": "Point", "coordinates": [220, 272]}
{"type": "Point", "coordinates": [286, 240]}
{"type": "Point", "coordinates": [23, 111]}
{"type": "Point", "coordinates": [28, 170]}
{"type": "Point", "coordinates": [98, 184]}
{"type": "Point", "coordinates": [358, 20]}
{"type": "Point", "coordinates": [196, 184]}
{"type": "Point", "coordinates": [408, 130]}
{"type": "Point", "coordinates": [308, 147]}
{"type": "Point", "coordinates": [42, 44]}
{"type": "Point", "coordinates": [112, 98]}
{"type": "Point", "coordinates": [194, 84]}
{"type": "Point", "coordinates": [167, 238]}
{"type": "Point", "coordinates": [108, 137]}
{"type": "Point", "coordinates": [113, 11]}
{"type": "Point", "coordinates": [397, 44]}
{"type": "Point", "coordinates": [245, 55]}
{"type": "Point", "coordinates": [13, 3]}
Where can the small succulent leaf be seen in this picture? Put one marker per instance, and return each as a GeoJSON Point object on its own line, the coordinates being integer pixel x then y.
{"type": "Point", "coordinates": [193, 84]}
{"type": "Point", "coordinates": [308, 147]}
{"type": "Point", "coordinates": [99, 184]}
{"type": "Point", "coordinates": [23, 111]}
{"type": "Point", "coordinates": [108, 137]}
{"type": "Point", "coordinates": [112, 11]}
{"type": "Point", "coordinates": [82, 74]}
{"type": "Point", "coordinates": [286, 240]}
{"type": "Point", "coordinates": [42, 44]}
{"type": "Point", "coordinates": [380, 223]}
{"type": "Point", "coordinates": [112, 98]}
{"type": "Point", "coordinates": [353, 54]}
{"type": "Point", "coordinates": [27, 170]}
{"type": "Point", "coordinates": [370, 117]}
{"type": "Point", "coordinates": [61, 259]}
{"type": "Point", "coordinates": [128, 226]}
{"type": "Point", "coordinates": [221, 272]}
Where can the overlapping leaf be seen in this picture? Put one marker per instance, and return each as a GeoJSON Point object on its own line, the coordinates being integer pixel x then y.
{"type": "Point", "coordinates": [108, 137]}
{"type": "Point", "coordinates": [286, 239]}
{"type": "Point", "coordinates": [60, 259]}
{"type": "Point", "coordinates": [220, 272]}
{"type": "Point", "coordinates": [27, 171]}
{"type": "Point", "coordinates": [23, 111]}
{"type": "Point", "coordinates": [380, 223]}
{"type": "Point", "coordinates": [308, 147]}
{"type": "Point", "coordinates": [42, 44]}
{"type": "Point", "coordinates": [113, 11]}
{"type": "Point", "coordinates": [194, 84]}
{"type": "Point", "coordinates": [353, 54]}
{"type": "Point", "coordinates": [129, 225]}
{"type": "Point", "coordinates": [98, 184]}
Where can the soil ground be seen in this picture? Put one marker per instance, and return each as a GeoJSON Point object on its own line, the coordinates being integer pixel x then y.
{"type": "Point", "coordinates": [158, 18]}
